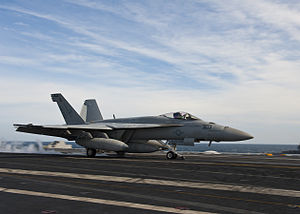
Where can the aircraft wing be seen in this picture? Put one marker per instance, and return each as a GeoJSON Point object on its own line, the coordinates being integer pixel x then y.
{"type": "Point", "coordinates": [69, 131]}
{"type": "Point", "coordinates": [37, 129]}
{"type": "Point", "coordinates": [125, 126]}
{"type": "Point", "coordinates": [64, 131]}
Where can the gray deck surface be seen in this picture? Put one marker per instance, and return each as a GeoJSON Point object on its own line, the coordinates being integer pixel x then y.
{"type": "Point", "coordinates": [206, 183]}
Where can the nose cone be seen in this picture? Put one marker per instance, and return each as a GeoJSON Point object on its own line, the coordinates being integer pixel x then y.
{"type": "Point", "coordinates": [232, 134]}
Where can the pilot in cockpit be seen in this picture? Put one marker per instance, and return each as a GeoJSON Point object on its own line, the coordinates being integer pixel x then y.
{"type": "Point", "coordinates": [177, 115]}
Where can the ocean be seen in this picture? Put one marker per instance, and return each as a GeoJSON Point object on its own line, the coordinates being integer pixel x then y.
{"type": "Point", "coordinates": [239, 147]}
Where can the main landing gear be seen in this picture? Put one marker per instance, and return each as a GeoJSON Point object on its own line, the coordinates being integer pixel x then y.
{"type": "Point", "coordinates": [91, 153]}
{"type": "Point", "coordinates": [121, 154]}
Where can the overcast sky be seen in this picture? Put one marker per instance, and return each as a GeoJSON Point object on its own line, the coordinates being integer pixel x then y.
{"type": "Point", "coordinates": [236, 63]}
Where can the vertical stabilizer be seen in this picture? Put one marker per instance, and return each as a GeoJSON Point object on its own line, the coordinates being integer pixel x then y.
{"type": "Point", "coordinates": [90, 111]}
{"type": "Point", "coordinates": [70, 115]}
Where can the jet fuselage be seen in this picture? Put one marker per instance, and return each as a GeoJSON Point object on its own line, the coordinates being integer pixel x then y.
{"type": "Point", "coordinates": [197, 129]}
{"type": "Point", "coordinates": [135, 134]}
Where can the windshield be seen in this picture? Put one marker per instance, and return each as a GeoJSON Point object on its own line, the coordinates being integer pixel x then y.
{"type": "Point", "coordinates": [180, 115]}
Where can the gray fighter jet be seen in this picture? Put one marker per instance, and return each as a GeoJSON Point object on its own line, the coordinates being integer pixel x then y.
{"type": "Point", "coordinates": [133, 135]}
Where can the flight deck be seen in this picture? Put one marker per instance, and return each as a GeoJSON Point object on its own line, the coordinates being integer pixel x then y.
{"type": "Point", "coordinates": [148, 183]}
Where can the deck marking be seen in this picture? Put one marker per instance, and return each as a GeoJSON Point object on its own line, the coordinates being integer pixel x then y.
{"type": "Point", "coordinates": [102, 201]}
{"type": "Point", "coordinates": [188, 203]}
{"type": "Point", "coordinates": [160, 168]}
{"type": "Point", "coordinates": [136, 180]}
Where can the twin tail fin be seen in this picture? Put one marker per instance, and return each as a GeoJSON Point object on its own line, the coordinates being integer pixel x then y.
{"type": "Point", "coordinates": [70, 115]}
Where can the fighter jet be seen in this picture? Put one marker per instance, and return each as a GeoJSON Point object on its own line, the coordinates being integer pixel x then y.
{"type": "Point", "coordinates": [134, 134]}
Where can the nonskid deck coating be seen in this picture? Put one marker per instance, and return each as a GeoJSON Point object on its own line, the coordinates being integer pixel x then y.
{"type": "Point", "coordinates": [182, 186]}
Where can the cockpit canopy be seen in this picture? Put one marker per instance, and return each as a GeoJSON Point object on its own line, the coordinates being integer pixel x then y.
{"type": "Point", "coordinates": [181, 115]}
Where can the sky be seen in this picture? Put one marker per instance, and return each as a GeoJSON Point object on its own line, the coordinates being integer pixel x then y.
{"type": "Point", "coordinates": [235, 63]}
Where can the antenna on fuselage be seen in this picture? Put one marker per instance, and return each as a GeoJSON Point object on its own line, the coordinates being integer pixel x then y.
{"type": "Point", "coordinates": [114, 116]}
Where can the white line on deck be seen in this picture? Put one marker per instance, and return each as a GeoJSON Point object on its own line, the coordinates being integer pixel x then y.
{"type": "Point", "coordinates": [135, 180]}
{"type": "Point", "coordinates": [102, 201]}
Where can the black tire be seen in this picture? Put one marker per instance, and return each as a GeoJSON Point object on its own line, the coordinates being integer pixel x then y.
{"type": "Point", "coordinates": [121, 154]}
{"type": "Point", "coordinates": [171, 155]}
{"type": "Point", "coordinates": [90, 153]}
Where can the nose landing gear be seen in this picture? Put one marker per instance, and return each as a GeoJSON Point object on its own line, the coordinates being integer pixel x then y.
{"type": "Point", "coordinates": [172, 154]}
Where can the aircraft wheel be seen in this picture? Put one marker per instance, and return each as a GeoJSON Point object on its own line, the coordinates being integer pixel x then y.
{"type": "Point", "coordinates": [171, 155]}
{"type": "Point", "coordinates": [121, 154]}
{"type": "Point", "coordinates": [91, 153]}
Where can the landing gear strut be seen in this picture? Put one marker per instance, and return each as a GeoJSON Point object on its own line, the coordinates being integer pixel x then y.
{"type": "Point", "coordinates": [90, 152]}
